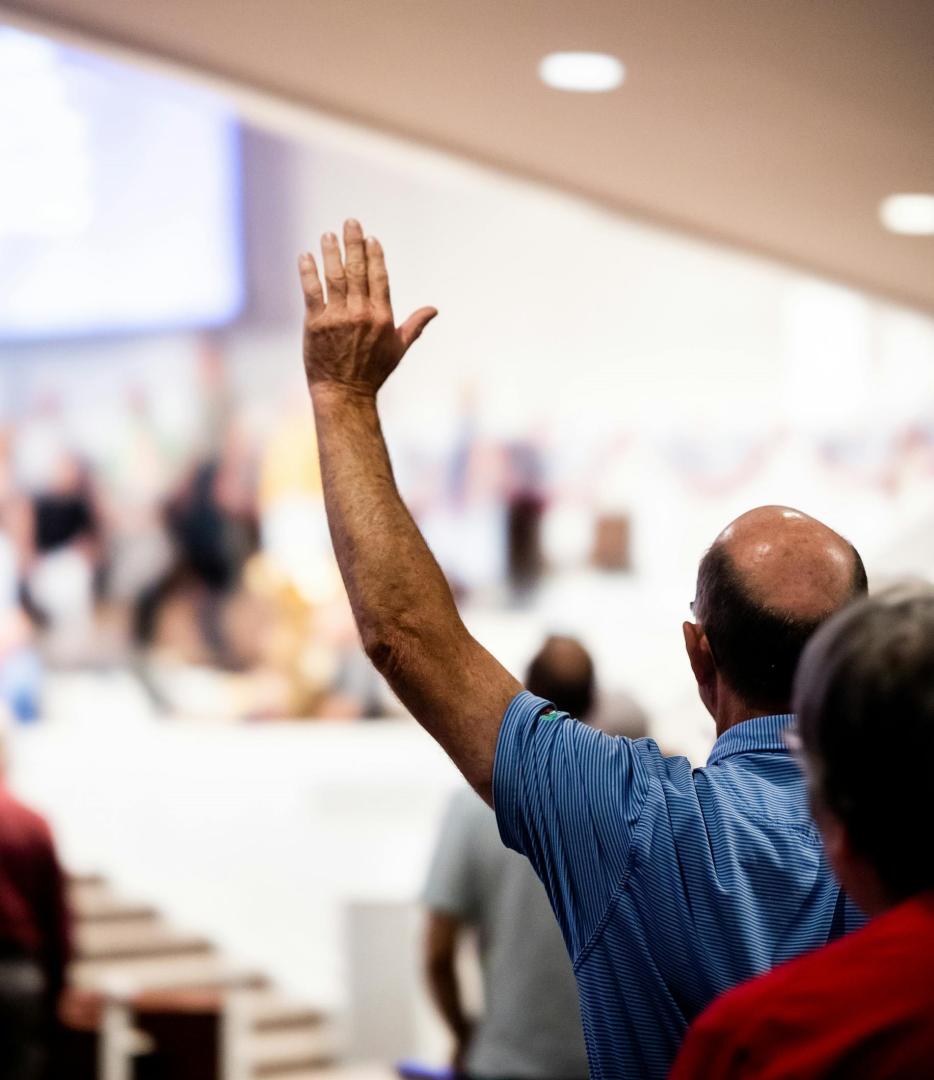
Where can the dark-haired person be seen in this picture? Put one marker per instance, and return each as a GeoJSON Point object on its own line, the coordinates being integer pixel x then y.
{"type": "Point", "coordinates": [562, 671]}
{"type": "Point", "coordinates": [862, 1007]}
{"type": "Point", "coordinates": [670, 885]}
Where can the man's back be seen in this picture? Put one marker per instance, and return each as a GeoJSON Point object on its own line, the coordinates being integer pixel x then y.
{"type": "Point", "coordinates": [531, 1023]}
{"type": "Point", "coordinates": [671, 884]}
{"type": "Point", "coordinates": [863, 1007]}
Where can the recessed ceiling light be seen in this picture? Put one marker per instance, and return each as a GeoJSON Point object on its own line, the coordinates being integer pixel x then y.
{"type": "Point", "coordinates": [584, 72]}
{"type": "Point", "coordinates": [910, 215]}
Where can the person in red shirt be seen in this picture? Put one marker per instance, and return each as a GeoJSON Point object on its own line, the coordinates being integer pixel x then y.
{"type": "Point", "coordinates": [34, 939]}
{"type": "Point", "coordinates": [862, 1008]}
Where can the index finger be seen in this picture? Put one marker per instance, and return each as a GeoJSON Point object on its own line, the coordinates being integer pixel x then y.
{"type": "Point", "coordinates": [377, 275]}
{"type": "Point", "coordinates": [311, 284]}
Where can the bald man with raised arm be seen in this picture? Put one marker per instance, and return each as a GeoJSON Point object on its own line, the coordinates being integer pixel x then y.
{"type": "Point", "coordinates": [670, 884]}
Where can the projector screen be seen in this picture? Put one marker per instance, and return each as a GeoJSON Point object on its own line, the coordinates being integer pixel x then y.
{"type": "Point", "coordinates": [119, 197]}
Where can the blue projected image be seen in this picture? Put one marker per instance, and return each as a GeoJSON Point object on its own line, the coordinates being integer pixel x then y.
{"type": "Point", "coordinates": [119, 197]}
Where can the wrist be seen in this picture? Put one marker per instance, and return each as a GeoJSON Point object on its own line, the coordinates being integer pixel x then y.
{"type": "Point", "coordinates": [326, 394]}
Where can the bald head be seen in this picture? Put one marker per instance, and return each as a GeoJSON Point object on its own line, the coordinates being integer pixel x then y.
{"type": "Point", "coordinates": [790, 563]}
{"type": "Point", "coordinates": [768, 581]}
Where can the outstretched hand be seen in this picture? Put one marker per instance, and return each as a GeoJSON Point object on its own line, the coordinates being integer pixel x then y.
{"type": "Point", "coordinates": [351, 340]}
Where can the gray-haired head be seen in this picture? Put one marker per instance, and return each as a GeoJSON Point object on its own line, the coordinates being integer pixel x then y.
{"type": "Point", "coordinates": [864, 695]}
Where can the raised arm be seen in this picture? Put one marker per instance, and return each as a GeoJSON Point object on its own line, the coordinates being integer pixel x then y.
{"type": "Point", "coordinates": [405, 613]}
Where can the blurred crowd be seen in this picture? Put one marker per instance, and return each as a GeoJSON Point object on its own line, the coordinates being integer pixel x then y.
{"type": "Point", "coordinates": [204, 566]}
{"type": "Point", "coordinates": [155, 559]}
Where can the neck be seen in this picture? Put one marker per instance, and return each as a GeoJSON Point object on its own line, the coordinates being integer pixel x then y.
{"type": "Point", "coordinates": [730, 710]}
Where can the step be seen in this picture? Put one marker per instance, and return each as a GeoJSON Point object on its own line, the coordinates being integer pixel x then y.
{"type": "Point", "coordinates": [87, 878]}
{"type": "Point", "coordinates": [88, 892]}
{"type": "Point", "coordinates": [301, 1046]}
{"type": "Point", "coordinates": [312, 1072]}
{"type": "Point", "coordinates": [93, 899]}
{"type": "Point", "coordinates": [268, 1009]}
{"type": "Point", "coordinates": [301, 1072]}
{"type": "Point", "coordinates": [175, 947]}
{"type": "Point", "coordinates": [116, 911]}
{"type": "Point", "coordinates": [127, 939]}
{"type": "Point", "coordinates": [344, 1071]}
{"type": "Point", "coordinates": [159, 973]}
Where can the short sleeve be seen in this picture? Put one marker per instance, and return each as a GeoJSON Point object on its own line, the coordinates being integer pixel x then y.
{"type": "Point", "coordinates": [568, 797]}
{"type": "Point", "coordinates": [451, 885]}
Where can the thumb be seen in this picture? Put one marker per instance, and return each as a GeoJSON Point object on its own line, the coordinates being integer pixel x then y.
{"type": "Point", "coordinates": [411, 330]}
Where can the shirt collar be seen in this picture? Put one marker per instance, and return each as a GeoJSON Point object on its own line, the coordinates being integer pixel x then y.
{"type": "Point", "coordinates": [761, 734]}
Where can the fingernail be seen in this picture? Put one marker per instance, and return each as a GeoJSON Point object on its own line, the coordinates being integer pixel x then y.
{"type": "Point", "coordinates": [329, 238]}
{"type": "Point", "coordinates": [371, 241]}
{"type": "Point", "coordinates": [352, 223]}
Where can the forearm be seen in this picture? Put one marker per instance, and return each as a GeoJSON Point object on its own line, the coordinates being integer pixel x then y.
{"type": "Point", "coordinates": [445, 993]}
{"type": "Point", "coordinates": [398, 592]}
{"type": "Point", "coordinates": [401, 601]}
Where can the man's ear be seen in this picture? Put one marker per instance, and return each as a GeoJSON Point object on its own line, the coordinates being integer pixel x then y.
{"type": "Point", "coordinates": [698, 650]}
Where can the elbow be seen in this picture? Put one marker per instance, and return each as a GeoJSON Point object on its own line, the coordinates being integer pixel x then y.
{"type": "Point", "coordinates": [381, 649]}
{"type": "Point", "coordinates": [377, 646]}
{"type": "Point", "coordinates": [391, 650]}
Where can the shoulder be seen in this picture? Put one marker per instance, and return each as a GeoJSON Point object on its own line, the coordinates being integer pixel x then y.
{"type": "Point", "coordinates": [543, 749]}
{"type": "Point", "coordinates": [533, 725]}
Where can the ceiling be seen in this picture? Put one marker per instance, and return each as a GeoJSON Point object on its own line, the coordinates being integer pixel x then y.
{"type": "Point", "coordinates": [776, 127]}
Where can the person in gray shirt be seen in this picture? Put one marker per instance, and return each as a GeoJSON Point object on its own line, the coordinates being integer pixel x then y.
{"type": "Point", "coordinates": [531, 1026]}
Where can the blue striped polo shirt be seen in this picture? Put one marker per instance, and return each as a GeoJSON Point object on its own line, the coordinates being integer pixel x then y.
{"type": "Point", "coordinates": [670, 884]}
